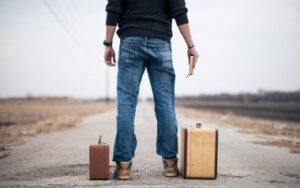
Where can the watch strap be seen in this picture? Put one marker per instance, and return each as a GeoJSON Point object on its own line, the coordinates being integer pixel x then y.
{"type": "Point", "coordinates": [106, 43]}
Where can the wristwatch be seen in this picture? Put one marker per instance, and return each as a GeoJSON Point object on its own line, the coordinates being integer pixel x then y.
{"type": "Point", "coordinates": [108, 44]}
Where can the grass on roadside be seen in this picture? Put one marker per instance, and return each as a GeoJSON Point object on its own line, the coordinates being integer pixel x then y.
{"type": "Point", "coordinates": [21, 118]}
{"type": "Point", "coordinates": [290, 130]}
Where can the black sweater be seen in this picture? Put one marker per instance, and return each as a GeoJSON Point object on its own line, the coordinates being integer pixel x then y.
{"type": "Point", "coordinates": [152, 18]}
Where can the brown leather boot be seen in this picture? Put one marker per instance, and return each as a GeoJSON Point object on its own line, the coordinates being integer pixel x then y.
{"type": "Point", "coordinates": [123, 170]}
{"type": "Point", "coordinates": [170, 167]}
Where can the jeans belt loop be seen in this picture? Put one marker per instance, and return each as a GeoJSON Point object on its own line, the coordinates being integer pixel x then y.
{"type": "Point", "coordinates": [146, 40]}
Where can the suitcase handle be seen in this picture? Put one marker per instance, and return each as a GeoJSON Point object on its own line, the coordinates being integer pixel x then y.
{"type": "Point", "coordinates": [99, 141]}
{"type": "Point", "coordinates": [198, 125]}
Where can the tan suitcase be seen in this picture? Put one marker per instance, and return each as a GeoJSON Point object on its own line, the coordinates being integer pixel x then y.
{"type": "Point", "coordinates": [99, 161]}
{"type": "Point", "coordinates": [199, 152]}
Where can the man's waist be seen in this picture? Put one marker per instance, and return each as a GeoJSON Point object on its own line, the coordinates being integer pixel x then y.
{"type": "Point", "coordinates": [140, 30]}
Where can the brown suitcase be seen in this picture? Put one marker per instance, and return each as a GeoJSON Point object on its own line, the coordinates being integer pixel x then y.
{"type": "Point", "coordinates": [99, 161]}
{"type": "Point", "coordinates": [199, 152]}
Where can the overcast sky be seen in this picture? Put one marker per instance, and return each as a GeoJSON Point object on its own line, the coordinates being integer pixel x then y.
{"type": "Point", "coordinates": [244, 45]}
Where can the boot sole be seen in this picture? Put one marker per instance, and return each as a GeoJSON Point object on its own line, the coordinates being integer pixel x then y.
{"type": "Point", "coordinates": [171, 174]}
{"type": "Point", "coordinates": [123, 177]}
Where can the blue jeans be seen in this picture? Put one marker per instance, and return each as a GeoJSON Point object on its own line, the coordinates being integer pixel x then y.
{"type": "Point", "coordinates": [135, 55]}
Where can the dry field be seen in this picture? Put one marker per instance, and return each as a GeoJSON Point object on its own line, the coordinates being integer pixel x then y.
{"type": "Point", "coordinates": [279, 120]}
{"type": "Point", "coordinates": [26, 118]}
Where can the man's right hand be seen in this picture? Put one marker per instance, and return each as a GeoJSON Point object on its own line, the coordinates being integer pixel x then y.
{"type": "Point", "coordinates": [110, 56]}
{"type": "Point", "coordinates": [193, 52]}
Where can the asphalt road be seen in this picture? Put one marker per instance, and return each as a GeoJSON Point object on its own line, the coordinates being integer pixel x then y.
{"type": "Point", "coordinates": [60, 159]}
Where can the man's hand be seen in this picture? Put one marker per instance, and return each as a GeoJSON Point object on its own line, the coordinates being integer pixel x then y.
{"type": "Point", "coordinates": [193, 52]}
{"type": "Point", "coordinates": [109, 54]}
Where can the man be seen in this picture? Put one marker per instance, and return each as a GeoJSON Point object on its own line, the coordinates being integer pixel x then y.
{"type": "Point", "coordinates": [145, 30]}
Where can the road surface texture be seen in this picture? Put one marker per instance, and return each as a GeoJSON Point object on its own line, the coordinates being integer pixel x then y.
{"type": "Point", "coordinates": [60, 159]}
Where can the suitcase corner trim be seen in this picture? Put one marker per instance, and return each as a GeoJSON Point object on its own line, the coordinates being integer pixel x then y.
{"type": "Point", "coordinates": [185, 154]}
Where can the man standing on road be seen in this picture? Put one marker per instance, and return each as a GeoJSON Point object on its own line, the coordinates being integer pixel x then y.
{"type": "Point", "coordinates": [145, 30]}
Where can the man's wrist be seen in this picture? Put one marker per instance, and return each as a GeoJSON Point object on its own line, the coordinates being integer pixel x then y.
{"type": "Point", "coordinates": [191, 46]}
